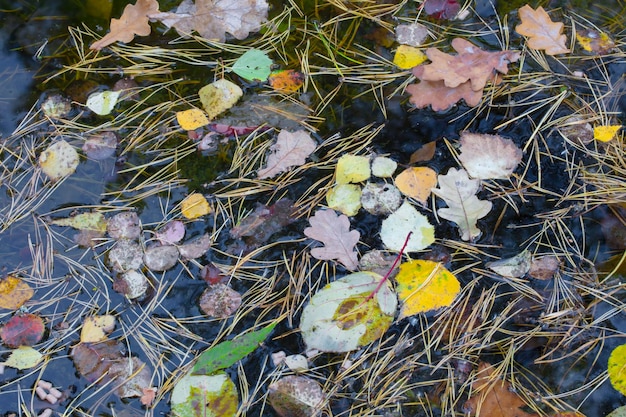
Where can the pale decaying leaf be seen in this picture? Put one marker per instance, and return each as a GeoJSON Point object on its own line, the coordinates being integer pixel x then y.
{"type": "Point", "coordinates": [291, 149]}
{"type": "Point", "coordinates": [464, 208]}
{"type": "Point", "coordinates": [542, 32]}
{"type": "Point", "coordinates": [339, 241]}
{"type": "Point", "coordinates": [295, 392]}
{"type": "Point", "coordinates": [489, 156]}
{"type": "Point", "coordinates": [514, 267]}
{"type": "Point", "coordinates": [397, 226]}
{"type": "Point", "coordinates": [212, 19]}
{"type": "Point", "coordinates": [134, 21]}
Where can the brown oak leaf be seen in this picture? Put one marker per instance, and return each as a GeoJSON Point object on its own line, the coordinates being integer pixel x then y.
{"type": "Point", "coordinates": [542, 32]}
{"type": "Point", "coordinates": [440, 97]}
{"type": "Point", "coordinates": [291, 149]}
{"type": "Point", "coordinates": [339, 241]}
{"type": "Point", "coordinates": [212, 19]}
{"type": "Point", "coordinates": [471, 64]}
{"type": "Point", "coordinates": [134, 21]}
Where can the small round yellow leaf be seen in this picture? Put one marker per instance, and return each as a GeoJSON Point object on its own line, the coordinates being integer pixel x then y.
{"type": "Point", "coordinates": [408, 57]}
{"type": "Point", "coordinates": [191, 119]}
{"type": "Point", "coordinates": [345, 198]}
{"type": "Point", "coordinates": [605, 133]}
{"type": "Point", "coordinates": [417, 182]}
{"type": "Point", "coordinates": [424, 286]}
{"type": "Point", "coordinates": [14, 292]}
{"type": "Point", "coordinates": [617, 368]}
{"type": "Point", "coordinates": [352, 169]}
{"type": "Point", "coordinates": [219, 96]}
{"type": "Point", "coordinates": [59, 160]}
{"type": "Point", "coordinates": [194, 206]}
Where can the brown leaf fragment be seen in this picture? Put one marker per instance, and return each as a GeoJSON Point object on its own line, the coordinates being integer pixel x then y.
{"type": "Point", "coordinates": [134, 21]}
{"type": "Point", "coordinates": [291, 149]}
{"type": "Point", "coordinates": [263, 222]}
{"type": "Point", "coordinates": [471, 64]}
{"type": "Point", "coordinates": [440, 97]}
{"type": "Point", "coordinates": [542, 32]}
{"type": "Point", "coordinates": [339, 241]}
{"type": "Point", "coordinates": [544, 267]}
{"type": "Point", "coordinates": [424, 154]}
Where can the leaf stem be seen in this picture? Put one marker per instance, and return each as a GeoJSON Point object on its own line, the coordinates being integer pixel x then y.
{"type": "Point", "coordinates": [388, 274]}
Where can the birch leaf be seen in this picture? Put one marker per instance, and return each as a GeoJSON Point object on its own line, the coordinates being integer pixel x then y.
{"type": "Point", "coordinates": [134, 21]}
{"type": "Point", "coordinates": [416, 182]}
{"type": "Point", "coordinates": [24, 357]}
{"type": "Point", "coordinates": [219, 96]}
{"type": "Point", "coordinates": [291, 149]}
{"type": "Point", "coordinates": [464, 208]}
{"type": "Point", "coordinates": [59, 160]}
{"type": "Point", "coordinates": [339, 241]}
{"type": "Point", "coordinates": [542, 32]}
{"type": "Point", "coordinates": [14, 292]}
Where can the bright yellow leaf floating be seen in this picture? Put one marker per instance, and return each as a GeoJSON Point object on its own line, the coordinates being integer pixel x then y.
{"type": "Point", "coordinates": [408, 57]}
{"type": "Point", "coordinates": [95, 328]}
{"type": "Point", "coordinates": [219, 96]}
{"type": "Point", "coordinates": [605, 133]}
{"type": "Point", "coordinates": [14, 292]}
{"type": "Point", "coordinates": [417, 182]}
{"type": "Point", "coordinates": [194, 206]}
{"type": "Point", "coordinates": [191, 119]}
{"type": "Point", "coordinates": [617, 368]}
{"type": "Point", "coordinates": [424, 286]}
{"type": "Point", "coordinates": [352, 169]}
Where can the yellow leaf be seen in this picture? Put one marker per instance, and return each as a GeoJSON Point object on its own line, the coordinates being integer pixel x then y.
{"type": "Point", "coordinates": [352, 169]}
{"type": "Point", "coordinates": [416, 182]}
{"type": "Point", "coordinates": [617, 368]}
{"type": "Point", "coordinates": [24, 357]}
{"type": "Point", "coordinates": [219, 96]}
{"type": "Point", "coordinates": [85, 221]}
{"type": "Point", "coordinates": [424, 286]}
{"type": "Point", "coordinates": [408, 57]}
{"type": "Point", "coordinates": [345, 198]}
{"type": "Point", "coordinates": [95, 328]}
{"type": "Point", "coordinates": [59, 160]}
{"type": "Point", "coordinates": [14, 292]}
{"type": "Point", "coordinates": [194, 206]}
{"type": "Point", "coordinates": [593, 41]}
{"type": "Point", "coordinates": [605, 133]}
{"type": "Point", "coordinates": [191, 119]}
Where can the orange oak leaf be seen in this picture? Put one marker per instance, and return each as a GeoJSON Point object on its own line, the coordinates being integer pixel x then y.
{"type": "Point", "coordinates": [542, 32]}
{"type": "Point", "coordinates": [440, 97]}
{"type": "Point", "coordinates": [471, 64]}
{"type": "Point", "coordinates": [134, 21]}
{"type": "Point", "coordinates": [339, 241]}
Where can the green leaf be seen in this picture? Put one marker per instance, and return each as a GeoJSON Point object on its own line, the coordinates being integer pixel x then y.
{"type": "Point", "coordinates": [224, 354]}
{"type": "Point", "coordinates": [253, 65]}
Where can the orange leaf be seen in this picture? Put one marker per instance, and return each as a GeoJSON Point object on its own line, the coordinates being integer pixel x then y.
{"type": "Point", "coordinates": [14, 292]}
{"type": "Point", "coordinates": [134, 21]}
{"type": "Point", "coordinates": [542, 32]}
{"type": "Point", "coordinates": [416, 182]}
{"type": "Point", "coordinates": [286, 81]}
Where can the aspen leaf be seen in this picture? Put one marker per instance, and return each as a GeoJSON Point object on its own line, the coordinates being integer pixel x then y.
{"type": "Point", "coordinates": [219, 96]}
{"type": "Point", "coordinates": [204, 396]}
{"type": "Point", "coordinates": [59, 160]}
{"type": "Point", "coordinates": [352, 169]}
{"type": "Point", "coordinates": [341, 316]}
{"type": "Point", "coordinates": [291, 149]}
{"type": "Point", "coordinates": [594, 41]}
{"type": "Point", "coordinates": [24, 357]}
{"type": "Point", "coordinates": [286, 81]}
{"type": "Point", "coordinates": [14, 293]}
{"type": "Point", "coordinates": [404, 220]}
{"type": "Point", "coordinates": [464, 208]}
{"type": "Point", "coordinates": [339, 241]}
{"type": "Point", "coordinates": [345, 198]}
{"type": "Point", "coordinates": [383, 167]}
{"type": "Point", "coordinates": [134, 21]}
{"type": "Point", "coordinates": [194, 206]}
{"type": "Point", "coordinates": [103, 102]}
{"type": "Point", "coordinates": [253, 65]}
{"type": "Point", "coordinates": [413, 35]}
{"type": "Point", "coordinates": [408, 56]}
{"type": "Point", "coordinates": [605, 133]}
{"type": "Point", "coordinates": [542, 32]}
{"type": "Point", "coordinates": [489, 156]}
{"type": "Point", "coordinates": [424, 286]}
{"type": "Point", "coordinates": [22, 330]}
{"type": "Point", "coordinates": [295, 392]}
{"type": "Point", "coordinates": [416, 183]}
{"type": "Point", "coordinates": [617, 368]}
{"type": "Point", "coordinates": [191, 119]}
{"type": "Point", "coordinates": [514, 267]}
{"type": "Point", "coordinates": [96, 328]}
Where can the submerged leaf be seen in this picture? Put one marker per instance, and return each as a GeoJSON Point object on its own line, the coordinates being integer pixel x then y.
{"type": "Point", "coordinates": [296, 396]}
{"type": "Point", "coordinates": [291, 149]}
{"type": "Point", "coordinates": [515, 267]}
{"type": "Point", "coordinates": [489, 156]}
{"type": "Point", "coordinates": [103, 102]}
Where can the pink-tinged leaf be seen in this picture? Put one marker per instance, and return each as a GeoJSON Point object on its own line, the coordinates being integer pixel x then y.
{"type": "Point", "coordinates": [291, 149]}
{"type": "Point", "coordinates": [173, 232]}
{"type": "Point", "coordinates": [440, 97]}
{"type": "Point", "coordinates": [441, 9]}
{"type": "Point", "coordinates": [339, 241]}
{"type": "Point", "coordinates": [93, 360]}
{"type": "Point", "coordinates": [22, 330]}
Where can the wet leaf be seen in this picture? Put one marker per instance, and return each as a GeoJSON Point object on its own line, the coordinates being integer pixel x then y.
{"type": "Point", "coordinates": [173, 232]}
{"type": "Point", "coordinates": [100, 146]}
{"type": "Point", "coordinates": [96, 328]}
{"type": "Point", "coordinates": [126, 254]}
{"type": "Point", "coordinates": [424, 154]}
{"type": "Point", "coordinates": [161, 258]}
{"type": "Point", "coordinates": [296, 396]}
{"type": "Point", "coordinates": [464, 207]}
{"type": "Point", "coordinates": [605, 133]}
{"type": "Point", "coordinates": [424, 286]}
{"type": "Point", "coordinates": [413, 35]}
{"type": "Point", "coordinates": [345, 198]}
{"type": "Point", "coordinates": [194, 206]}
{"type": "Point", "coordinates": [416, 183]}
{"type": "Point", "coordinates": [263, 222]}
{"type": "Point", "coordinates": [542, 32]}
{"type": "Point", "coordinates": [133, 284]}
{"type": "Point", "coordinates": [132, 375]}
{"type": "Point", "coordinates": [191, 119]}
{"type": "Point", "coordinates": [544, 267]}
{"type": "Point", "coordinates": [196, 247]}
{"type": "Point", "coordinates": [440, 97]}
{"type": "Point", "coordinates": [229, 352]}
{"type": "Point", "coordinates": [93, 360]}
{"type": "Point", "coordinates": [125, 225]}
{"type": "Point", "coordinates": [291, 149]}
{"type": "Point", "coordinates": [406, 219]}
{"type": "Point", "coordinates": [14, 292]}
{"type": "Point", "coordinates": [489, 156]}
{"type": "Point", "coordinates": [22, 330]}
{"type": "Point", "coordinates": [515, 267]}
{"type": "Point", "coordinates": [59, 160]}
{"type": "Point", "coordinates": [618, 412]}
{"type": "Point", "coordinates": [134, 21]}
{"type": "Point", "coordinates": [24, 357]}
{"type": "Point", "coordinates": [380, 198]}
{"type": "Point", "coordinates": [617, 368]}
{"type": "Point", "coordinates": [220, 301]}
{"type": "Point", "coordinates": [594, 41]}
{"type": "Point", "coordinates": [204, 396]}
{"type": "Point", "coordinates": [352, 169]}
{"type": "Point", "coordinates": [339, 241]}
{"type": "Point", "coordinates": [286, 81]}
{"type": "Point", "coordinates": [408, 56]}
{"type": "Point", "coordinates": [103, 102]}
{"type": "Point", "coordinates": [383, 167]}
{"type": "Point", "coordinates": [441, 9]}
{"type": "Point", "coordinates": [254, 65]}
{"type": "Point", "coordinates": [219, 96]}
{"type": "Point", "coordinates": [342, 316]}
{"type": "Point", "coordinates": [85, 221]}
